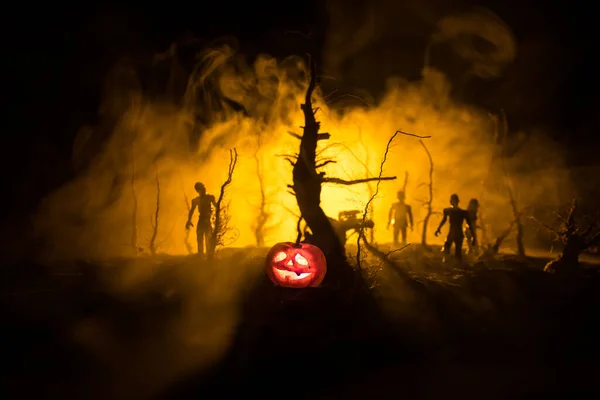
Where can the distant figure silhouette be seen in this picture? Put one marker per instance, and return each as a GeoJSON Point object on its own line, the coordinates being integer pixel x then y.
{"type": "Point", "coordinates": [473, 210]}
{"type": "Point", "coordinates": [204, 203]}
{"type": "Point", "coordinates": [401, 217]}
{"type": "Point", "coordinates": [455, 236]}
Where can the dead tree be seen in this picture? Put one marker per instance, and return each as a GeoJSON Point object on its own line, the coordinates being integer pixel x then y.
{"type": "Point", "coordinates": [491, 251]}
{"type": "Point", "coordinates": [154, 221]}
{"type": "Point", "coordinates": [518, 222]}
{"type": "Point", "coordinates": [427, 203]}
{"type": "Point", "coordinates": [385, 259]}
{"type": "Point", "coordinates": [575, 241]}
{"type": "Point", "coordinates": [306, 187]}
{"type": "Point", "coordinates": [134, 213]}
{"type": "Point", "coordinates": [221, 218]}
{"type": "Point", "coordinates": [263, 216]}
{"type": "Point", "coordinates": [501, 154]}
{"type": "Point", "coordinates": [361, 232]}
{"type": "Point", "coordinates": [371, 212]}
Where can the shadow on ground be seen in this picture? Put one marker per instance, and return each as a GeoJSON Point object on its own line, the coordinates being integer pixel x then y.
{"type": "Point", "coordinates": [178, 327]}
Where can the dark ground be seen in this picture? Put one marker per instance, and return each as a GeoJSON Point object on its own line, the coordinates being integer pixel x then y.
{"type": "Point", "coordinates": [152, 328]}
{"type": "Point", "coordinates": [109, 330]}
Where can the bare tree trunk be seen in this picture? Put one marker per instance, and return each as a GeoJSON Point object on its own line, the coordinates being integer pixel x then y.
{"type": "Point", "coordinates": [134, 227]}
{"type": "Point", "coordinates": [152, 245]}
{"type": "Point", "coordinates": [491, 251]}
{"type": "Point", "coordinates": [501, 153]}
{"type": "Point", "coordinates": [371, 211]}
{"type": "Point", "coordinates": [220, 228]}
{"type": "Point", "coordinates": [307, 188]}
{"type": "Point", "coordinates": [263, 216]}
{"type": "Point", "coordinates": [575, 242]}
{"type": "Point", "coordinates": [371, 214]}
{"type": "Point", "coordinates": [518, 221]}
{"type": "Point", "coordinates": [430, 199]}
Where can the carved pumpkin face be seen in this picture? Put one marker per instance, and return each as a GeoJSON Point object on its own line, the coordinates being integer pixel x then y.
{"type": "Point", "coordinates": [296, 267]}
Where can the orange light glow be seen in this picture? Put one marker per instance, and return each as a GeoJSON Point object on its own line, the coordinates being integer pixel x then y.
{"type": "Point", "coordinates": [152, 139]}
{"type": "Point", "coordinates": [295, 266]}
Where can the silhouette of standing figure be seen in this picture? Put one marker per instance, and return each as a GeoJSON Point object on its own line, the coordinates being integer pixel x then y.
{"type": "Point", "coordinates": [204, 203]}
{"type": "Point", "coordinates": [401, 217]}
{"type": "Point", "coordinates": [472, 209]}
{"type": "Point", "coordinates": [457, 217]}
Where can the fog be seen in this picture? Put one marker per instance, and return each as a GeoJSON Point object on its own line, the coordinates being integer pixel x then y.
{"type": "Point", "coordinates": [178, 131]}
{"type": "Point", "coordinates": [155, 136]}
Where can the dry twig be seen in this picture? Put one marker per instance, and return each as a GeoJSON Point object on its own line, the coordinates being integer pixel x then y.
{"type": "Point", "coordinates": [221, 218]}
{"type": "Point", "coordinates": [154, 222]}
{"type": "Point", "coordinates": [361, 232]}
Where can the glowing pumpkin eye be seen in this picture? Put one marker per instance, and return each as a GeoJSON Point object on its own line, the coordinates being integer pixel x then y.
{"type": "Point", "coordinates": [301, 260]}
{"type": "Point", "coordinates": [279, 256]}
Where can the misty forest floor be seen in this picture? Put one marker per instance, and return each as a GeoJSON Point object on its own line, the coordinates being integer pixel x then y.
{"type": "Point", "coordinates": [179, 327]}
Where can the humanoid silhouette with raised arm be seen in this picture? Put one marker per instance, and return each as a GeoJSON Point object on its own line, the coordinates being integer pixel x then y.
{"type": "Point", "coordinates": [204, 203]}
{"type": "Point", "coordinates": [401, 217]}
{"type": "Point", "coordinates": [457, 217]}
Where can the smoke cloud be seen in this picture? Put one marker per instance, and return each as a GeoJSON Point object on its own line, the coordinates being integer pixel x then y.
{"type": "Point", "coordinates": [174, 126]}
{"type": "Point", "coordinates": [229, 102]}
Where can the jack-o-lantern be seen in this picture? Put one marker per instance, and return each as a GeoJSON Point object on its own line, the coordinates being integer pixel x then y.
{"type": "Point", "coordinates": [296, 265]}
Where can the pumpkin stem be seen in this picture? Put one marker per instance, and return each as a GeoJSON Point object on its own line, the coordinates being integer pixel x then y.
{"type": "Point", "coordinates": [298, 238]}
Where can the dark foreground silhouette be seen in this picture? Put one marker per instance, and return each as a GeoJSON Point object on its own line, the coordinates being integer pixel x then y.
{"type": "Point", "coordinates": [499, 330]}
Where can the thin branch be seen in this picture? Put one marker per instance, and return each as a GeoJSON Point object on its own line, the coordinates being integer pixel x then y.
{"type": "Point", "coordinates": [496, 247]}
{"type": "Point", "coordinates": [262, 217]}
{"type": "Point", "coordinates": [152, 246]}
{"type": "Point", "coordinates": [542, 224]}
{"type": "Point", "coordinates": [290, 211]}
{"type": "Point", "coordinates": [294, 134]}
{"type": "Point", "coordinates": [339, 181]}
{"type": "Point", "coordinates": [324, 163]}
{"type": "Point", "coordinates": [412, 134]}
{"type": "Point", "coordinates": [292, 156]}
{"type": "Point", "coordinates": [352, 96]}
{"type": "Point", "coordinates": [397, 250]}
{"type": "Point", "coordinates": [134, 228]}
{"type": "Point", "coordinates": [349, 151]}
{"type": "Point", "coordinates": [429, 202]}
{"type": "Point", "coordinates": [367, 175]}
{"type": "Point", "coordinates": [220, 220]}
{"type": "Point", "coordinates": [390, 263]}
{"type": "Point", "coordinates": [334, 91]}
{"type": "Point", "coordinates": [361, 233]}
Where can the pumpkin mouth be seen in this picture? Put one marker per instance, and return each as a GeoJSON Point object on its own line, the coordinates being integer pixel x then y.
{"type": "Point", "coordinates": [290, 275]}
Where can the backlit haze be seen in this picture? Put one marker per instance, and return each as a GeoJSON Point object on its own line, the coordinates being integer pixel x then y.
{"type": "Point", "coordinates": [92, 215]}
